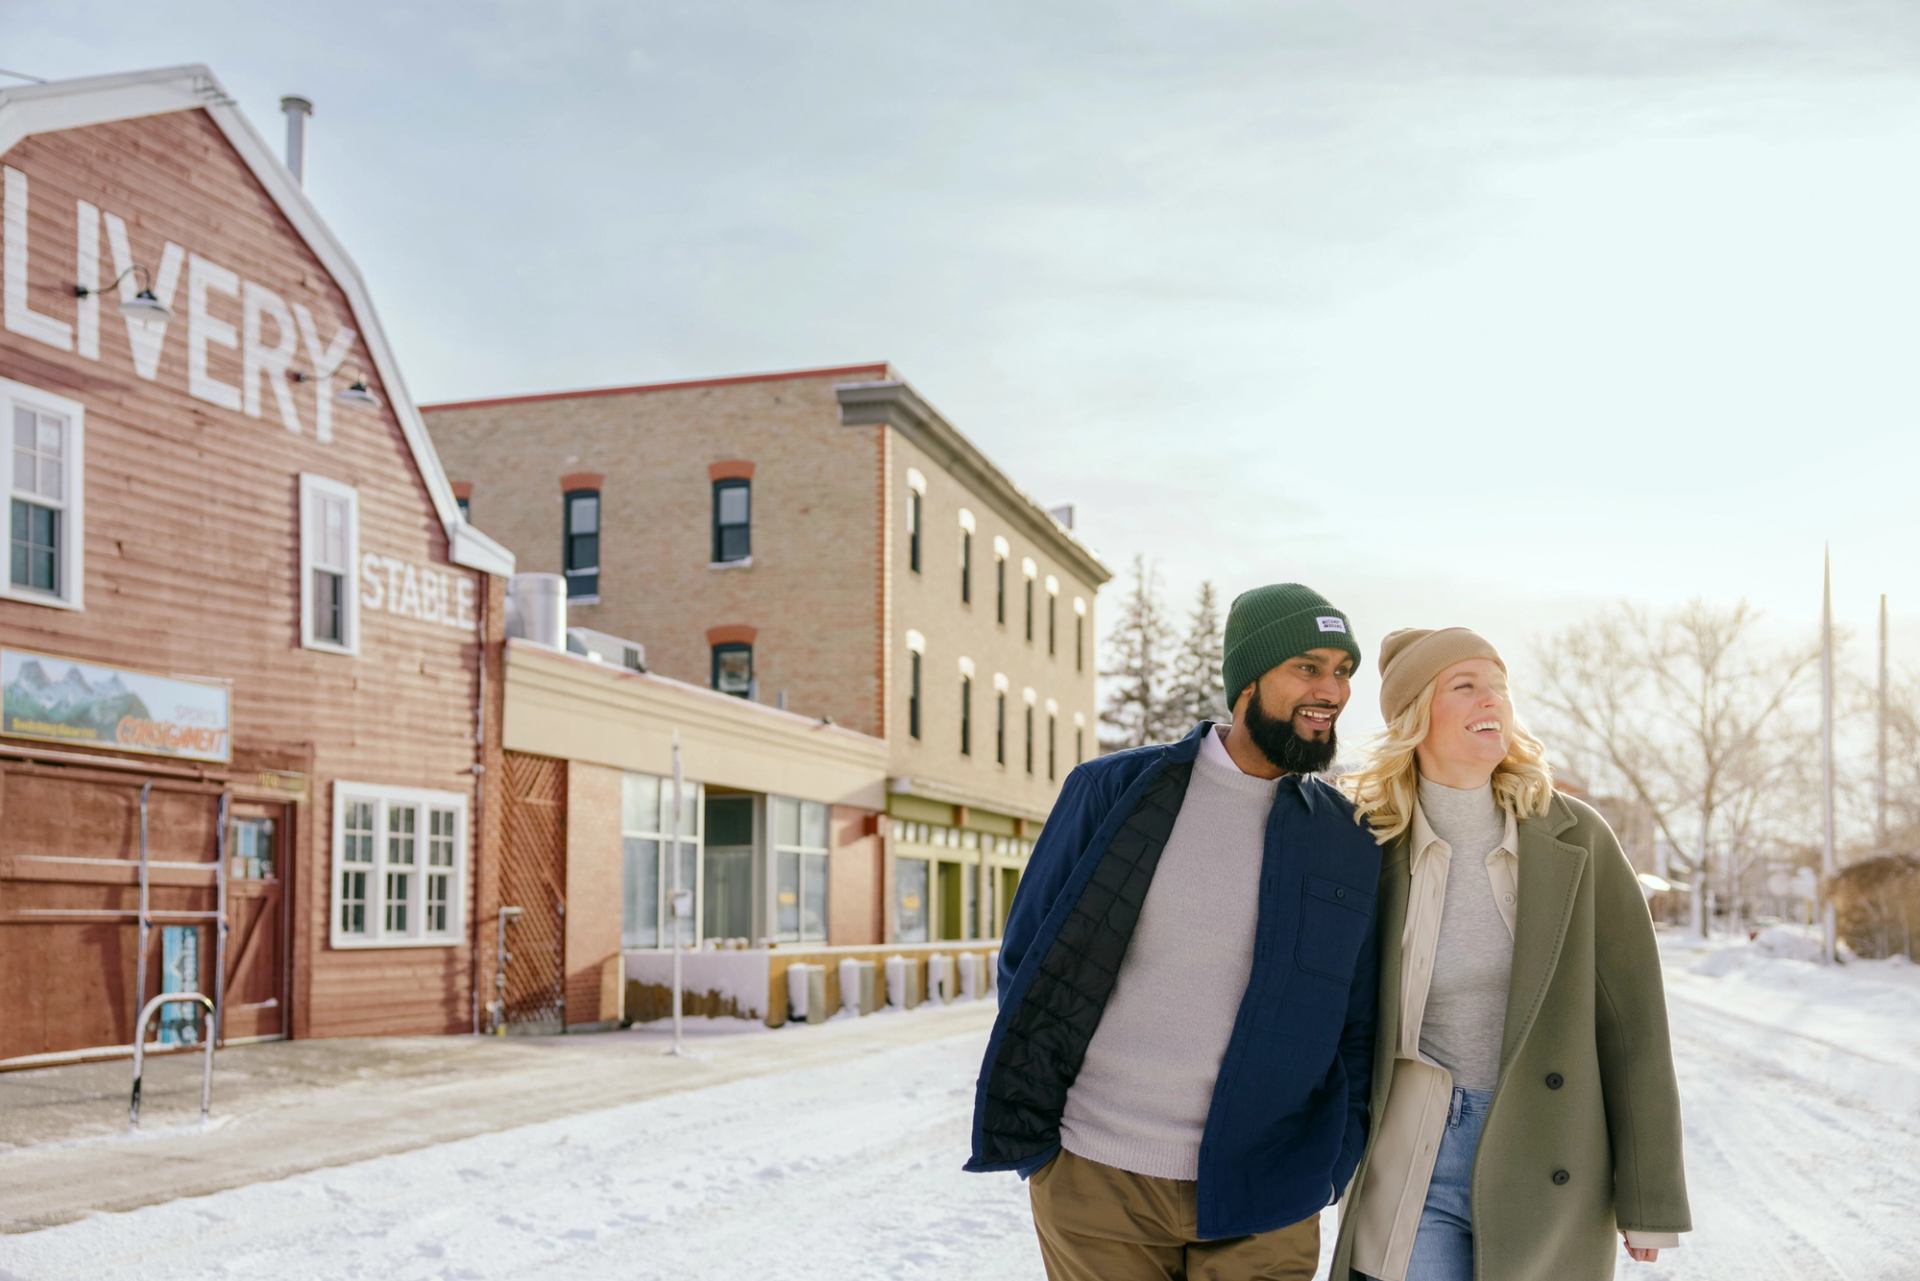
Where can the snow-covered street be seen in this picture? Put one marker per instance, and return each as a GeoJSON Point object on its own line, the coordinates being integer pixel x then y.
{"type": "Point", "coordinates": [1804, 1163]}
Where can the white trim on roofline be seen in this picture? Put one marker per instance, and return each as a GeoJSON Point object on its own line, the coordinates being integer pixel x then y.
{"type": "Point", "coordinates": [96, 100]}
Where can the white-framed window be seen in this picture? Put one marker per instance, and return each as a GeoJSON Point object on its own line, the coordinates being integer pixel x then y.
{"type": "Point", "coordinates": [399, 866]}
{"type": "Point", "coordinates": [646, 878]}
{"type": "Point", "coordinates": [41, 478]}
{"type": "Point", "coordinates": [800, 870]}
{"type": "Point", "coordinates": [329, 549]}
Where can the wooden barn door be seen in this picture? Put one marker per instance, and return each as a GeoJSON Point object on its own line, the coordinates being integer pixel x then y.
{"type": "Point", "coordinates": [533, 879]}
{"type": "Point", "coordinates": [256, 987]}
{"type": "Point", "coordinates": [70, 906]}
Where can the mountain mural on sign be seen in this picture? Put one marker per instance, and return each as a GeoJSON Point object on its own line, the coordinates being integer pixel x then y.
{"type": "Point", "coordinates": [33, 695]}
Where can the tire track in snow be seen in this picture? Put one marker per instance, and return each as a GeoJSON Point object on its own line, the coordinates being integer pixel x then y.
{"type": "Point", "coordinates": [1787, 1179]}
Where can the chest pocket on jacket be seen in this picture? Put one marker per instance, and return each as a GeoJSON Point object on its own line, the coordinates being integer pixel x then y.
{"type": "Point", "coordinates": [1333, 925]}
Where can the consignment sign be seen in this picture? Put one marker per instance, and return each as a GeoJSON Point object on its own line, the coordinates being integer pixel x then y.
{"type": "Point", "coordinates": [63, 700]}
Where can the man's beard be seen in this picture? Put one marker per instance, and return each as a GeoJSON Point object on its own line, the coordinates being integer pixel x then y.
{"type": "Point", "coordinates": [1284, 748]}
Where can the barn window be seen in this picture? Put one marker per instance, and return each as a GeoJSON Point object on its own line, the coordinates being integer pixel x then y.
{"type": "Point", "coordinates": [40, 475]}
{"type": "Point", "coordinates": [399, 866]}
{"type": "Point", "coordinates": [329, 549]}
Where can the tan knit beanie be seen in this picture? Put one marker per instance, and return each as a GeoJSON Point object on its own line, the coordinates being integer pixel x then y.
{"type": "Point", "coordinates": [1413, 656]}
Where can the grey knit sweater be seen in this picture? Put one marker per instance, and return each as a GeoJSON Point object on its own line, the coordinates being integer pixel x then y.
{"type": "Point", "coordinates": [1141, 1099]}
{"type": "Point", "coordinates": [1466, 1014]}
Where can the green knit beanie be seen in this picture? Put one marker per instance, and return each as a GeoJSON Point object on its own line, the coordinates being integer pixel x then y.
{"type": "Point", "coordinates": [1268, 625]}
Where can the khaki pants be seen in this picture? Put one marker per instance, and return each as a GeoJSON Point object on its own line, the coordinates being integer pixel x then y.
{"type": "Point", "coordinates": [1097, 1223]}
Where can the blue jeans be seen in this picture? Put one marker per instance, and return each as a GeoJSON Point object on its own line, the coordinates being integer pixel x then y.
{"type": "Point", "coordinates": [1443, 1247]}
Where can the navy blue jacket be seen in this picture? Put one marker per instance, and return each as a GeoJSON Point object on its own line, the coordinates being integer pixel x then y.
{"type": "Point", "coordinates": [1289, 1113]}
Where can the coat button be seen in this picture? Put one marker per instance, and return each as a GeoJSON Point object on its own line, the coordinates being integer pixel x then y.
{"type": "Point", "coordinates": [1339, 893]}
{"type": "Point", "coordinates": [1560, 1178]}
{"type": "Point", "coordinates": [1555, 1080]}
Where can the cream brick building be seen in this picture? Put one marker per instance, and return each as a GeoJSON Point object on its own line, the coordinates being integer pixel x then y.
{"type": "Point", "coordinates": [826, 542]}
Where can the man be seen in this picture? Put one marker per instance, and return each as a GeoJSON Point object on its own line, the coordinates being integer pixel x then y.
{"type": "Point", "coordinates": [1185, 1038]}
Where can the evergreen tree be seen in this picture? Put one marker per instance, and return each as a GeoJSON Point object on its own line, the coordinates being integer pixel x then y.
{"type": "Point", "coordinates": [1141, 650]}
{"type": "Point", "coordinates": [1199, 691]}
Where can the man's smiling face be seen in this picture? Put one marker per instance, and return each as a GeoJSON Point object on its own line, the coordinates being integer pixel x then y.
{"type": "Point", "coordinates": [1290, 712]}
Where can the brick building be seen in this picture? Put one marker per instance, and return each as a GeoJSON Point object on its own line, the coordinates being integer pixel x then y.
{"type": "Point", "coordinates": [825, 542]}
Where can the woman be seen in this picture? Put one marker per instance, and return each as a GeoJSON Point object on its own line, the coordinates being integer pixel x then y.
{"type": "Point", "coordinates": [1524, 1104]}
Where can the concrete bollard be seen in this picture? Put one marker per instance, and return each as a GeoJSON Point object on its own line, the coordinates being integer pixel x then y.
{"type": "Point", "coordinates": [807, 993]}
{"type": "Point", "coordinates": [940, 977]}
{"type": "Point", "coordinates": [973, 982]}
{"type": "Point", "coordinates": [904, 983]}
{"type": "Point", "coordinates": [858, 989]}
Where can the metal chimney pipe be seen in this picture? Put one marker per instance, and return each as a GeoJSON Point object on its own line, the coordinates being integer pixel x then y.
{"type": "Point", "coordinates": [297, 110]}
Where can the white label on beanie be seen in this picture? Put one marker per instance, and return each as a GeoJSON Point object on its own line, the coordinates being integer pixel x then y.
{"type": "Point", "coordinates": [1331, 624]}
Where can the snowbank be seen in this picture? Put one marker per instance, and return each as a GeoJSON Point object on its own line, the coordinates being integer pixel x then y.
{"type": "Point", "coordinates": [1853, 1029]}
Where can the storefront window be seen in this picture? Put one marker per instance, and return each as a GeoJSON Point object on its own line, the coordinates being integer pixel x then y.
{"type": "Point", "coordinates": [910, 882]}
{"type": "Point", "coordinates": [800, 869]}
{"type": "Point", "coordinates": [646, 807]}
{"type": "Point", "coordinates": [726, 875]}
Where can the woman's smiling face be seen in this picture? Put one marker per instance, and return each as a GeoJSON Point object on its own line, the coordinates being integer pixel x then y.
{"type": "Point", "coordinates": [1471, 724]}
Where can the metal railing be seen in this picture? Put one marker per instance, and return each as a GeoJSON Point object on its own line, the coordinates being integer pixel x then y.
{"type": "Point", "coordinates": [140, 1051]}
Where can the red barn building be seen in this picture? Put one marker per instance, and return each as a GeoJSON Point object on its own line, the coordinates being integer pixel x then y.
{"type": "Point", "coordinates": [244, 627]}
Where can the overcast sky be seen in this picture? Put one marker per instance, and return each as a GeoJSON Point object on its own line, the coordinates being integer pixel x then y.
{"type": "Point", "coordinates": [1488, 313]}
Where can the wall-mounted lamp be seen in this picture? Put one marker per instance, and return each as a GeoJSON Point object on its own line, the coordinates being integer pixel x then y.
{"type": "Point", "coordinates": [144, 305]}
{"type": "Point", "coordinates": [354, 393]}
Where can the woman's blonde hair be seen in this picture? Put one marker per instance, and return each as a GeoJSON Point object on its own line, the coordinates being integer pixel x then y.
{"type": "Point", "coordinates": [1383, 790]}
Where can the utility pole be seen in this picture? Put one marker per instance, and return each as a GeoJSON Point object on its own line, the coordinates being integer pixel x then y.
{"type": "Point", "coordinates": [1880, 775]}
{"type": "Point", "coordinates": [677, 909]}
{"type": "Point", "coordinates": [1828, 951]}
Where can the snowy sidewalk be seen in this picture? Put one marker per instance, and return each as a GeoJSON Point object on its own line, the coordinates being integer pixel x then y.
{"type": "Point", "coordinates": [283, 1108]}
{"type": "Point", "coordinates": [846, 1170]}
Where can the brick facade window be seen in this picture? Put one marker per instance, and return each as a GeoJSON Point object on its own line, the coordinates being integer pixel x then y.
{"type": "Point", "coordinates": [916, 654]}
{"type": "Point", "coordinates": [966, 556]}
{"type": "Point", "coordinates": [966, 715]}
{"type": "Point", "coordinates": [732, 510]}
{"type": "Point", "coordinates": [732, 650]}
{"type": "Point", "coordinates": [1000, 727]}
{"type": "Point", "coordinates": [732, 520]}
{"type": "Point", "coordinates": [913, 698]}
{"type": "Point", "coordinates": [580, 534]}
{"type": "Point", "coordinates": [733, 669]}
{"type": "Point", "coordinates": [913, 530]}
{"type": "Point", "coordinates": [916, 504]}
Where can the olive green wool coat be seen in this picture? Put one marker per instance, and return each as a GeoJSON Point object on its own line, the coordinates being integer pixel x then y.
{"type": "Point", "coordinates": [1583, 1136]}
